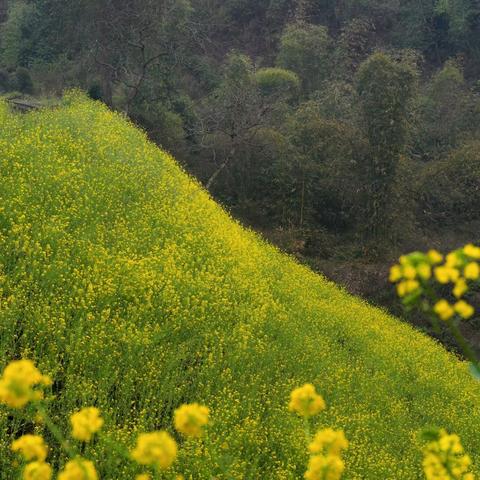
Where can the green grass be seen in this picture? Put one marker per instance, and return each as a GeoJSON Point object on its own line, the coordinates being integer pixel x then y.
{"type": "Point", "coordinates": [122, 279]}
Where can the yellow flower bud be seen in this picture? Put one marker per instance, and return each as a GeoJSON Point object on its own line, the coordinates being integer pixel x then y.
{"type": "Point", "coordinates": [190, 419]}
{"type": "Point", "coordinates": [158, 449]}
{"type": "Point", "coordinates": [306, 401]}
{"type": "Point", "coordinates": [402, 289]}
{"type": "Point", "coordinates": [78, 469]}
{"type": "Point", "coordinates": [409, 272]}
{"type": "Point", "coordinates": [461, 288]}
{"type": "Point", "coordinates": [395, 274]}
{"type": "Point", "coordinates": [446, 274]}
{"type": "Point", "coordinates": [32, 447]}
{"type": "Point", "coordinates": [85, 423]}
{"type": "Point", "coordinates": [435, 257]}
{"type": "Point", "coordinates": [37, 471]}
{"type": "Point", "coordinates": [444, 310]}
{"type": "Point", "coordinates": [464, 309]}
{"type": "Point", "coordinates": [472, 251]}
{"type": "Point", "coordinates": [472, 271]}
{"type": "Point", "coordinates": [424, 271]}
{"type": "Point", "coordinates": [452, 260]}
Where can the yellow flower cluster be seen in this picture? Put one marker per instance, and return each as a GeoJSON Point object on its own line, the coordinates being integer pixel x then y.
{"type": "Point", "coordinates": [328, 441]}
{"type": "Point", "coordinates": [37, 471]}
{"type": "Point", "coordinates": [157, 449]}
{"type": "Point", "coordinates": [34, 450]}
{"type": "Point", "coordinates": [445, 459]}
{"type": "Point", "coordinates": [326, 462]}
{"type": "Point", "coordinates": [78, 469]}
{"type": "Point", "coordinates": [32, 447]}
{"type": "Point", "coordinates": [325, 467]}
{"type": "Point", "coordinates": [325, 449]}
{"type": "Point", "coordinates": [414, 272]}
{"type": "Point", "coordinates": [18, 381]}
{"type": "Point", "coordinates": [190, 419]}
{"type": "Point", "coordinates": [306, 401]}
{"type": "Point", "coordinates": [445, 310]}
{"type": "Point", "coordinates": [85, 423]}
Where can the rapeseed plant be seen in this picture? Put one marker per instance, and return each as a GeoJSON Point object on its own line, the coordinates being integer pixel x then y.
{"type": "Point", "coordinates": [85, 423]}
{"type": "Point", "coordinates": [32, 447]}
{"type": "Point", "coordinates": [37, 471]}
{"type": "Point", "coordinates": [306, 401]}
{"type": "Point", "coordinates": [121, 278]}
{"type": "Point", "coordinates": [157, 449]}
{"type": "Point", "coordinates": [18, 382]}
{"type": "Point", "coordinates": [444, 457]}
{"type": "Point", "coordinates": [190, 419]}
{"type": "Point", "coordinates": [460, 270]}
{"type": "Point", "coordinates": [78, 469]}
{"type": "Point", "coordinates": [325, 449]}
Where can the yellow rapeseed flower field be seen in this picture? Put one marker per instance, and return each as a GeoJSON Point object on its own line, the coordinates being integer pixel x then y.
{"type": "Point", "coordinates": [130, 287]}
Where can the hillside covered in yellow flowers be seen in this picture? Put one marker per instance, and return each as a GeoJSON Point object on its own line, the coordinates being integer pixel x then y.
{"type": "Point", "coordinates": [128, 285]}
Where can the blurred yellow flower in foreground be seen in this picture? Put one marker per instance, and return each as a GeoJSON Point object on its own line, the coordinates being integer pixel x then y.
{"type": "Point", "coordinates": [306, 401]}
{"type": "Point", "coordinates": [17, 383]}
{"type": "Point", "coordinates": [37, 471]}
{"type": "Point", "coordinates": [158, 449]}
{"type": "Point", "coordinates": [78, 469]}
{"type": "Point", "coordinates": [32, 447]}
{"type": "Point", "coordinates": [85, 423]}
{"type": "Point", "coordinates": [190, 419]}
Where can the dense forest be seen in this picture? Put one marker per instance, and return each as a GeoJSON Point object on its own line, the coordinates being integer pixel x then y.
{"type": "Point", "coordinates": [345, 131]}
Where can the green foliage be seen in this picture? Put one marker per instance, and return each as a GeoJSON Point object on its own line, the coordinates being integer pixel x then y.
{"type": "Point", "coordinates": [277, 82]}
{"type": "Point", "coordinates": [319, 171]}
{"type": "Point", "coordinates": [449, 188]}
{"type": "Point", "coordinates": [384, 88]}
{"type": "Point", "coordinates": [305, 49]}
{"type": "Point", "coordinates": [23, 81]}
{"type": "Point", "coordinates": [338, 100]}
{"type": "Point", "coordinates": [355, 43]}
{"type": "Point", "coordinates": [12, 34]}
{"type": "Point", "coordinates": [124, 281]}
{"type": "Point", "coordinates": [447, 112]}
{"type": "Point", "coordinates": [5, 81]}
{"type": "Point", "coordinates": [232, 123]}
{"type": "Point", "coordinates": [463, 20]}
{"type": "Point", "coordinates": [95, 91]}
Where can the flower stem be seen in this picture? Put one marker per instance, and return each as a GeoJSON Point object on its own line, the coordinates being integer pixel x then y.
{"type": "Point", "coordinates": [56, 432]}
{"type": "Point", "coordinates": [463, 344]}
{"type": "Point", "coordinates": [306, 426]}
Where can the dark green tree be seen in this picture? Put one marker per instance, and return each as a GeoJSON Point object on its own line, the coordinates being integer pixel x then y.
{"type": "Point", "coordinates": [319, 173]}
{"type": "Point", "coordinates": [306, 50]}
{"type": "Point", "coordinates": [448, 112]}
{"type": "Point", "coordinates": [234, 116]}
{"type": "Point", "coordinates": [385, 88]}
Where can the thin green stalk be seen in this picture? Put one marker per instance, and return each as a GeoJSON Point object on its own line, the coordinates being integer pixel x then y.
{"type": "Point", "coordinates": [123, 451]}
{"type": "Point", "coordinates": [462, 342]}
{"type": "Point", "coordinates": [56, 432]}
{"type": "Point", "coordinates": [306, 426]}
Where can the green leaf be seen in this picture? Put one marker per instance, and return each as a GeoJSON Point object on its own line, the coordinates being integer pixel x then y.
{"type": "Point", "coordinates": [430, 434]}
{"type": "Point", "coordinates": [475, 371]}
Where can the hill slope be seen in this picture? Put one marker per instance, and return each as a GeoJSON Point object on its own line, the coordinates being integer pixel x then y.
{"type": "Point", "coordinates": [128, 284]}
